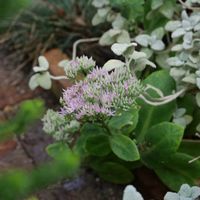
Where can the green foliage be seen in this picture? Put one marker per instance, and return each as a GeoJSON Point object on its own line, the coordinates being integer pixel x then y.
{"type": "Point", "coordinates": [177, 170]}
{"type": "Point", "coordinates": [18, 184]}
{"type": "Point", "coordinates": [114, 172]}
{"type": "Point", "coordinates": [152, 115]}
{"type": "Point", "coordinates": [9, 9]}
{"type": "Point", "coordinates": [165, 134]}
{"type": "Point", "coordinates": [124, 123]}
{"type": "Point", "coordinates": [124, 147]}
{"type": "Point", "coordinates": [191, 147]}
{"type": "Point", "coordinates": [130, 9]}
{"type": "Point", "coordinates": [28, 112]}
{"type": "Point", "coordinates": [98, 145]}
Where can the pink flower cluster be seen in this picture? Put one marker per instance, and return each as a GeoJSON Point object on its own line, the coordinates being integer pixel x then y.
{"type": "Point", "coordinates": [101, 94]}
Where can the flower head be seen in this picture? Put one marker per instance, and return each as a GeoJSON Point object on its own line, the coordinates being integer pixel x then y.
{"type": "Point", "coordinates": [102, 94]}
{"type": "Point", "coordinates": [80, 65]}
{"type": "Point", "coordinates": [56, 125]}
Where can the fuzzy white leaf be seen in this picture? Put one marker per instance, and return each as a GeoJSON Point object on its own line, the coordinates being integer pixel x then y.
{"type": "Point", "coordinates": [63, 63]}
{"type": "Point", "coordinates": [178, 32]}
{"type": "Point", "coordinates": [119, 48]}
{"type": "Point", "coordinates": [171, 196]}
{"type": "Point", "coordinates": [175, 61]}
{"type": "Point", "coordinates": [177, 47]}
{"type": "Point", "coordinates": [158, 33]}
{"type": "Point", "coordinates": [198, 82]}
{"type": "Point", "coordinates": [161, 60]}
{"type": "Point", "coordinates": [97, 19]}
{"type": "Point", "coordinates": [43, 62]}
{"type": "Point", "coordinates": [107, 39]}
{"type": "Point", "coordinates": [172, 25]}
{"type": "Point", "coordinates": [190, 79]}
{"type": "Point", "coordinates": [143, 40]}
{"type": "Point", "coordinates": [130, 193]}
{"type": "Point", "coordinates": [103, 12]}
{"type": "Point", "coordinates": [158, 45]}
{"type": "Point", "coordinates": [198, 98]}
{"type": "Point", "coordinates": [113, 64]}
{"type": "Point", "coordinates": [195, 192]}
{"type": "Point", "coordinates": [137, 55]}
{"type": "Point", "coordinates": [119, 22]}
{"type": "Point", "coordinates": [123, 37]}
{"type": "Point", "coordinates": [33, 82]}
{"type": "Point", "coordinates": [44, 81]}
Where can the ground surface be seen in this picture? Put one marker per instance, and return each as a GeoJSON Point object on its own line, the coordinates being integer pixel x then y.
{"type": "Point", "coordinates": [28, 151]}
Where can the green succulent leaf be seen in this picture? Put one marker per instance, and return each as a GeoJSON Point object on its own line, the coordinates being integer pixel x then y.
{"type": "Point", "coordinates": [123, 147]}
{"type": "Point", "coordinates": [190, 147]}
{"type": "Point", "coordinates": [161, 141]}
{"type": "Point", "coordinates": [114, 172]}
{"type": "Point", "coordinates": [151, 115]}
{"type": "Point", "coordinates": [98, 145]}
{"type": "Point", "coordinates": [87, 130]}
{"type": "Point", "coordinates": [124, 123]}
{"type": "Point", "coordinates": [177, 171]}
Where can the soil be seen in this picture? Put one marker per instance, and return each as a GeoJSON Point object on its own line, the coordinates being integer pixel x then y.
{"type": "Point", "coordinates": [28, 151]}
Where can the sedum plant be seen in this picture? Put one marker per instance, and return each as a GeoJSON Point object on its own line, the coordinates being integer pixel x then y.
{"type": "Point", "coordinates": [117, 121]}
{"type": "Point", "coordinates": [168, 33]}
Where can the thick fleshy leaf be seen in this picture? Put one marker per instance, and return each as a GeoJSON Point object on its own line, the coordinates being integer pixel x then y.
{"type": "Point", "coordinates": [113, 64]}
{"type": "Point", "coordinates": [114, 172]}
{"type": "Point", "coordinates": [167, 135]}
{"type": "Point", "coordinates": [87, 130]}
{"type": "Point", "coordinates": [178, 166]}
{"type": "Point", "coordinates": [151, 115]}
{"type": "Point", "coordinates": [123, 147]}
{"type": "Point", "coordinates": [124, 123]}
{"type": "Point", "coordinates": [98, 145]}
{"type": "Point", "coordinates": [190, 147]}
